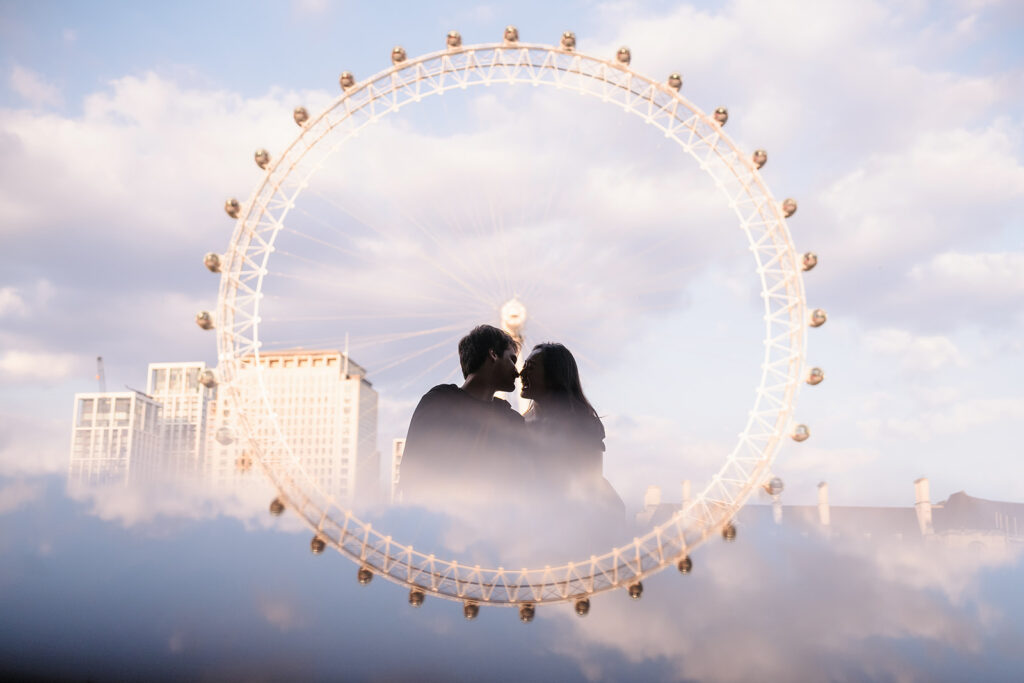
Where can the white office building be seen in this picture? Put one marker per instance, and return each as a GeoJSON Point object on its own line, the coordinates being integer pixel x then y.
{"type": "Point", "coordinates": [327, 412]}
{"type": "Point", "coordinates": [115, 437]}
{"type": "Point", "coordinates": [397, 450]}
{"type": "Point", "coordinates": [184, 401]}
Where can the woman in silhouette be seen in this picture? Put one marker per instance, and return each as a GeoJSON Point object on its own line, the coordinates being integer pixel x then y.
{"type": "Point", "coordinates": [565, 434]}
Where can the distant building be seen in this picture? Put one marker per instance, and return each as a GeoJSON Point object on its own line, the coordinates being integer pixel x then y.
{"type": "Point", "coordinates": [327, 412]}
{"type": "Point", "coordinates": [959, 521]}
{"type": "Point", "coordinates": [183, 418]}
{"type": "Point", "coordinates": [115, 437]}
{"type": "Point", "coordinates": [397, 450]}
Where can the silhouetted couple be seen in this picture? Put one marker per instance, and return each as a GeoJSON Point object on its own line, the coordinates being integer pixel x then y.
{"type": "Point", "coordinates": [465, 446]}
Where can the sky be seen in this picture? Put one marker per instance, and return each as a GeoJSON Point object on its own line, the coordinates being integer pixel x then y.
{"type": "Point", "coordinates": [896, 126]}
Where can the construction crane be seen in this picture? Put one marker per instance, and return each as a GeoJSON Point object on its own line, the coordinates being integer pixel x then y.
{"type": "Point", "coordinates": [101, 376]}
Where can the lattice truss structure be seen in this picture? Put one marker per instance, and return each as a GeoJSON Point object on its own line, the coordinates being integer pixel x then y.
{"type": "Point", "coordinates": [735, 174]}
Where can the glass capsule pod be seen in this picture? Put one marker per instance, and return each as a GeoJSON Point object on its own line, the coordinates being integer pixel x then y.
{"type": "Point", "coordinates": [527, 612]}
{"type": "Point", "coordinates": [675, 80]}
{"type": "Point", "coordinates": [471, 610]}
{"type": "Point", "coordinates": [208, 378]}
{"type": "Point", "coordinates": [232, 207]}
{"type": "Point", "coordinates": [721, 116]}
{"type": "Point", "coordinates": [262, 158]}
{"type": "Point", "coordinates": [774, 486]}
{"type": "Point", "coordinates": [815, 376]}
{"type": "Point", "coordinates": [398, 54]}
{"type": "Point", "coordinates": [569, 41]}
{"type": "Point", "coordinates": [364, 576]}
{"type": "Point", "coordinates": [511, 34]}
{"type": "Point", "coordinates": [818, 317]}
{"type": "Point", "coordinates": [224, 436]}
{"type": "Point", "coordinates": [277, 507]}
{"type": "Point", "coordinates": [624, 56]}
{"type": "Point", "coordinates": [416, 597]}
{"type": "Point", "coordinates": [685, 565]}
{"type": "Point", "coordinates": [205, 320]}
{"type": "Point", "coordinates": [788, 207]}
{"type": "Point", "coordinates": [801, 433]}
{"type": "Point", "coordinates": [346, 80]}
{"type": "Point", "coordinates": [212, 262]}
{"type": "Point", "coordinates": [636, 590]}
{"type": "Point", "coordinates": [810, 260]}
{"type": "Point", "coordinates": [760, 158]}
{"type": "Point", "coordinates": [317, 545]}
{"type": "Point", "coordinates": [583, 607]}
{"type": "Point", "coordinates": [301, 115]}
{"type": "Point", "coordinates": [453, 39]}
{"type": "Point", "coordinates": [729, 532]}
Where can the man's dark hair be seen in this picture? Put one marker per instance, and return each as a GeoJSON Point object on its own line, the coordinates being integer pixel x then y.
{"type": "Point", "coordinates": [474, 346]}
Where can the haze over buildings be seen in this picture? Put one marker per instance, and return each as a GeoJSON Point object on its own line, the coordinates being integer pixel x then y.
{"type": "Point", "coordinates": [184, 427]}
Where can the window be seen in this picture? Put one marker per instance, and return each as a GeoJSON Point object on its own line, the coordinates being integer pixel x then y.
{"type": "Point", "coordinates": [85, 412]}
{"type": "Point", "coordinates": [122, 411]}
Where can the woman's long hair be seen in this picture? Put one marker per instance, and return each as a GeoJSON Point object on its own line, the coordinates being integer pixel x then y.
{"type": "Point", "coordinates": [562, 379]}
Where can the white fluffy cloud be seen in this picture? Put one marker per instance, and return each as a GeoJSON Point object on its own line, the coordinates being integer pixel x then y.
{"type": "Point", "coordinates": [998, 275]}
{"type": "Point", "coordinates": [11, 302]}
{"type": "Point", "coordinates": [914, 353]}
{"type": "Point", "coordinates": [33, 88]}
{"type": "Point", "coordinates": [29, 365]}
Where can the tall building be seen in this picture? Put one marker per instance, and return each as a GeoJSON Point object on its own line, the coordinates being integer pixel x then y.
{"type": "Point", "coordinates": [327, 412]}
{"type": "Point", "coordinates": [184, 401]}
{"type": "Point", "coordinates": [116, 436]}
{"type": "Point", "coordinates": [397, 450]}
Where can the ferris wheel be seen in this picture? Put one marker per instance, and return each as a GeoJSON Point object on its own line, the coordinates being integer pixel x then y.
{"type": "Point", "coordinates": [250, 284]}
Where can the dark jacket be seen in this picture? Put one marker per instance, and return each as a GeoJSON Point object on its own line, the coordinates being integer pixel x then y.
{"type": "Point", "coordinates": [456, 441]}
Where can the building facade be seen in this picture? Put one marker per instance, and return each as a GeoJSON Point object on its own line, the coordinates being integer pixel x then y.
{"type": "Point", "coordinates": [326, 410]}
{"type": "Point", "coordinates": [397, 450]}
{"type": "Point", "coordinates": [115, 437]}
{"type": "Point", "coordinates": [184, 402]}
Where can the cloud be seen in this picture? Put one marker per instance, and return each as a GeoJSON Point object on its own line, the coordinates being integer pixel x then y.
{"type": "Point", "coordinates": [961, 417]}
{"type": "Point", "coordinates": [11, 302]}
{"type": "Point", "coordinates": [18, 493]}
{"type": "Point", "coordinates": [312, 6]}
{"type": "Point", "coordinates": [280, 613]}
{"type": "Point", "coordinates": [914, 353]}
{"type": "Point", "coordinates": [32, 445]}
{"type": "Point", "coordinates": [987, 279]}
{"type": "Point", "coordinates": [149, 504]}
{"type": "Point", "coordinates": [38, 365]}
{"type": "Point", "coordinates": [888, 590]}
{"type": "Point", "coordinates": [33, 88]}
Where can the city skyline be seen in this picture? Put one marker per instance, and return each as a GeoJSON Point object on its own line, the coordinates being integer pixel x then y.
{"type": "Point", "coordinates": [181, 429]}
{"type": "Point", "coordinates": [140, 540]}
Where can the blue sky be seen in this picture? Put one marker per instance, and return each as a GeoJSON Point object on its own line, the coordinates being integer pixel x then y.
{"type": "Point", "coordinates": [897, 127]}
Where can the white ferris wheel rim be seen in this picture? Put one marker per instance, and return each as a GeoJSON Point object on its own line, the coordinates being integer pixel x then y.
{"type": "Point", "coordinates": [661, 105]}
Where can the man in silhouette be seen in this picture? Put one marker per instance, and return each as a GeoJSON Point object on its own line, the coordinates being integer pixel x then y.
{"type": "Point", "coordinates": [462, 441]}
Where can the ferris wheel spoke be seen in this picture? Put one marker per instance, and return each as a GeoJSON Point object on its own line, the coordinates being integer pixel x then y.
{"type": "Point", "coordinates": [332, 286]}
{"type": "Point", "coordinates": [444, 359]}
{"type": "Point", "coordinates": [405, 358]}
{"type": "Point", "coordinates": [376, 340]}
{"type": "Point", "coordinates": [323, 243]}
{"type": "Point", "coordinates": [448, 255]}
{"type": "Point", "coordinates": [423, 253]}
{"type": "Point", "coordinates": [372, 316]}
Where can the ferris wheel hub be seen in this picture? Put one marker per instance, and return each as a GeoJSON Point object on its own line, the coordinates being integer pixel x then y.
{"type": "Point", "coordinates": [513, 317]}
